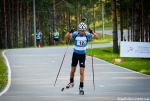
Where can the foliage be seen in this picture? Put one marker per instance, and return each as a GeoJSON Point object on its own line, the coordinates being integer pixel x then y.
{"type": "Point", "coordinates": [107, 9]}
{"type": "Point", "coordinates": [68, 13]}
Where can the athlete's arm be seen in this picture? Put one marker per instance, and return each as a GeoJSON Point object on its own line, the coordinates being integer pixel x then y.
{"type": "Point", "coordinates": [68, 35]}
{"type": "Point", "coordinates": [41, 34]}
{"type": "Point", "coordinates": [94, 35]}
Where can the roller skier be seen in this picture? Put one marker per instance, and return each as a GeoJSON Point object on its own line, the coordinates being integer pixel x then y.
{"type": "Point", "coordinates": [81, 38]}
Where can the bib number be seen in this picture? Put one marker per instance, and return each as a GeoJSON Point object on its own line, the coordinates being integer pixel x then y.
{"type": "Point", "coordinates": [81, 43]}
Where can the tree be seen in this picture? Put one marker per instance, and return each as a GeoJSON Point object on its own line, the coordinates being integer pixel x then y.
{"type": "Point", "coordinates": [115, 35]}
{"type": "Point", "coordinates": [16, 20]}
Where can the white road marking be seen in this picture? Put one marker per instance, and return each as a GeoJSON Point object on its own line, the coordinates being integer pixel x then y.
{"type": "Point", "coordinates": [101, 85]}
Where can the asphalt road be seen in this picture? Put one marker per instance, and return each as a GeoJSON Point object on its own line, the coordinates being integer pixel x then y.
{"type": "Point", "coordinates": [34, 70]}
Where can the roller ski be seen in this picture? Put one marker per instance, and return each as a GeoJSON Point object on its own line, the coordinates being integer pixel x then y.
{"type": "Point", "coordinates": [70, 85]}
{"type": "Point", "coordinates": [81, 91]}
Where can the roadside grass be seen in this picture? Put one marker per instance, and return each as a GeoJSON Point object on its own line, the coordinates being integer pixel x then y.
{"type": "Point", "coordinates": [137, 64]}
{"type": "Point", "coordinates": [3, 72]}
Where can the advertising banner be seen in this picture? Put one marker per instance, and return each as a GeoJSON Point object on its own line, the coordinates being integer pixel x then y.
{"type": "Point", "coordinates": [135, 49]}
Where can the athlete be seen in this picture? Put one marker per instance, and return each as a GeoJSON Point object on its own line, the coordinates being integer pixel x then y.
{"type": "Point", "coordinates": [56, 37]}
{"type": "Point", "coordinates": [81, 39]}
{"type": "Point", "coordinates": [38, 37]}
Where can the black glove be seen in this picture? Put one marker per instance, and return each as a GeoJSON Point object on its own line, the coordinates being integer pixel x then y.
{"type": "Point", "coordinates": [90, 31]}
{"type": "Point", "coordinates": [71, 31]}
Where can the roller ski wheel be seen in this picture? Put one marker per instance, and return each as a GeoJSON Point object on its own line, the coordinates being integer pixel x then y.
{"type": "Point", "coordinates": [81, 91]}
{"type": "Point", "coordinates": [70, 85]}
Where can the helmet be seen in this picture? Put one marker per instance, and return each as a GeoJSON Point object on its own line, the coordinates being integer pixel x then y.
{"type": "Point", "coordinates": [82, 26]}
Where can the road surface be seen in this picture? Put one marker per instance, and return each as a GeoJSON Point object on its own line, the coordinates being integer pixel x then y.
{"type": "Point", "coordinates": [34, 70]}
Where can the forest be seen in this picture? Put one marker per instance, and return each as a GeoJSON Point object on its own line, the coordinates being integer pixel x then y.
{"type": "Point", "coordinates": [17, 28]}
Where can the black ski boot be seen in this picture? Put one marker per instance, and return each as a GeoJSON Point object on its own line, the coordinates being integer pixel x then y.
{"type": "Point", "coordinates": [81, 91]}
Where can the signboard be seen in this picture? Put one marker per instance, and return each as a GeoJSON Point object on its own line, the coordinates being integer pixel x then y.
{"type": "Point", "coordinates": [135, 49]}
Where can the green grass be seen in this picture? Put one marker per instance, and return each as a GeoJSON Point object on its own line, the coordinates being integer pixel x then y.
{"type": "Point", "coordinates": [136, 64]}
{"type": "Point", "coordinates": [3, 72]}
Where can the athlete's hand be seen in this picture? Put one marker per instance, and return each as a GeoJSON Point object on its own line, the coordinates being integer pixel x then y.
{"type": "Point", "coordinates": [90, 31]}
{"type": "Point", "coordinates": [71, 31]}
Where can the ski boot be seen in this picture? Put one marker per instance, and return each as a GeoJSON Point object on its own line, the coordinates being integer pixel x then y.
{"type": "Point", "coordinates": [70, 85]}
{"type": "Point", "coordinates": [81, 91]}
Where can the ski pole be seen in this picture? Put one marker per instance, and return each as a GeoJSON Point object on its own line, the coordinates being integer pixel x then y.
{"type": "Point", "coordinates": [62, 62]}
{"type": "Point", "coordinates": [92, 59]}
{"type": "Point", "coordinates": [92, 66]}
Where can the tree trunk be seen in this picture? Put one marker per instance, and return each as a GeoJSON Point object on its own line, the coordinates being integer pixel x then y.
{"type": "Point", "coordinates": [137, 27]}
{"type": "Point", "coordinates": [69, 24]}
{"type": "Point", "coordinates": [121, 21]}
{"type": "Point", "coordinates": [54, 15]}
{"type": "Point", "coordinates": [132, 28]}
{"type": "Point", "coordinates": [9, 24]}
{"type": "Point", "coordinates": [146, 31]}
{"type": "Point", "coordinates": [27, 24]}
{"type": "Point", "coordinates": [87, 13]}
{"type": "Point", "coordinates": [24, 34]}
{"type": "Point", "coordinates": [149, 30]}
{"type": "Point", "coordinates": [4, 22]}
{"type": "Point", "coordinates": [21, 26]}
{"type": "Point", "coordinates": [115, 35]}
{"type": "Point", "coordinates": [77, 14]}
{"type": "Point", "coordinates": [128, 26]}
{"type": "Point", "coordinates": [142, 29]}
{"type": "Point", "coordinates": [94, 18]}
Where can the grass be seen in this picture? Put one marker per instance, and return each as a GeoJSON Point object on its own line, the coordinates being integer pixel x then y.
{"type": "Point", "coordinates": [107, 26]}
{"type": "Point", "coordinates": [3, 72]}
{"type": "Point", "coordinates": [137, 64]}
{"type": "Point", "coordinates": [107, 39]}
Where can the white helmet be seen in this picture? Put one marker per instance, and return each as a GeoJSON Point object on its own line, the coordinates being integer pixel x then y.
{"type": "Point", "coordinates": [82, 26]}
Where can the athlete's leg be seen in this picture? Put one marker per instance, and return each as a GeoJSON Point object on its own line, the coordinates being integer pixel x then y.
{"type": "Point", "coordinates": [57, 41]}
{"type": "Point", "coordinates": [73, 69]}
{"type": "Point", "coordinates": [81, 76]}
{"type": "Point", "coordinates": [39, 45]}
{"type": "Point", "coordinates": [54, 42]}
{"type": "Point", "coordinates": [81, 91]}
{"type": "Point", "coordinates": [82, 67]}
{"type": "Point", "coordinates": [71, 84]}
{"type": "Point", "coordinates": [37, 42]}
